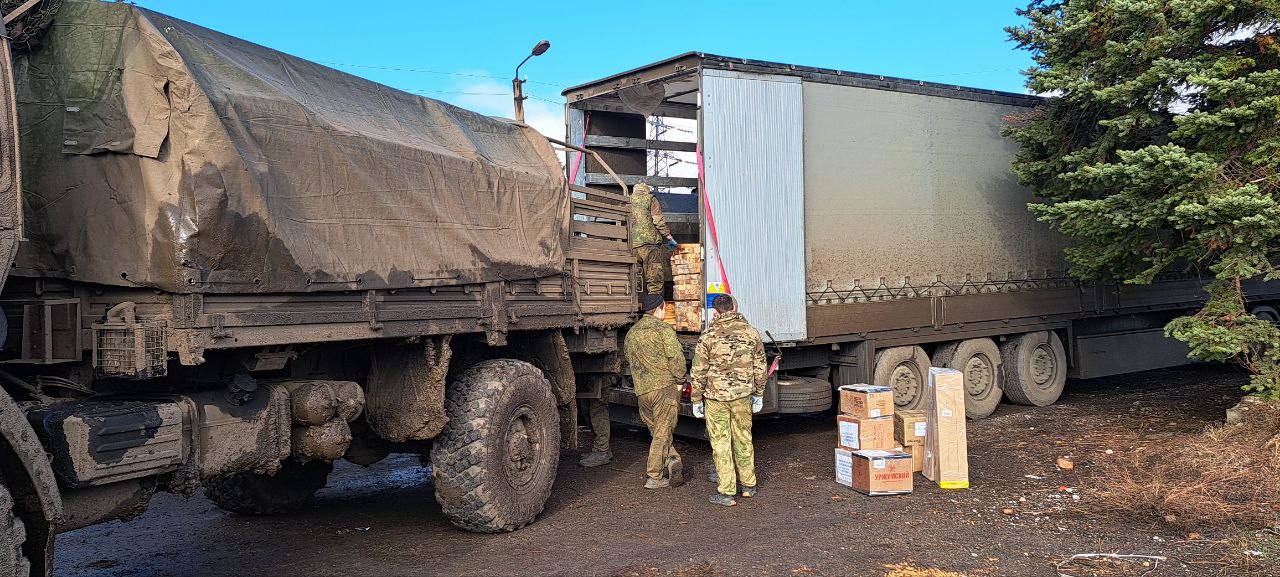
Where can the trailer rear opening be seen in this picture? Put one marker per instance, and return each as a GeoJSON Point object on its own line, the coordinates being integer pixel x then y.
{"type": "Point", "coordinates": [872, 226]}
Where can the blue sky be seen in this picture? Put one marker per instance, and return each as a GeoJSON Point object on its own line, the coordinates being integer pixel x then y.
{"type": "Point", "coordinates": [471, 47]}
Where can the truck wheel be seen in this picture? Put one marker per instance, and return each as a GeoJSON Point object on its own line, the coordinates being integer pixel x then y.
{"type": "Point", "coordinates": [1035, 368]}
{"type": "Point", "coordinates": [905, 369]}
{"type": "Point", "coordinates": [979, 360]}
{"type": "Point", "coordinates": [803, 395]}
{"type": "Point", "coordinates": [13, 535]}
{"type": "Point", "coordinates": [253, 494]}
{"type": "Point", "coordinates": [496, 459]}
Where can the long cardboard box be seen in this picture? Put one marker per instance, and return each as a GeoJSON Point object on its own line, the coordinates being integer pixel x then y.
{"type": "Point", "coordinates": [864, 401]}
{"type": "Point", "coordinates": [946, 457]}
{"type": "Point", "coordinates": [858, 434]}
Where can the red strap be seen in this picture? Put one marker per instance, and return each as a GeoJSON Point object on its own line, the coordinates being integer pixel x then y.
{"type": "Point", "coordinates": [586, 121]}
{"type": "Point", "coordinates": [711, 220]}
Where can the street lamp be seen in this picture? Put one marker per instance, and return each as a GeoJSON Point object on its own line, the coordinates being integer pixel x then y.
{"type": "Point", "coordinates": [517, 85]}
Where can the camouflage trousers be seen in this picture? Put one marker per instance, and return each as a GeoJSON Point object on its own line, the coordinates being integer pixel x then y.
{"type": "Point", "coordinates": [659, 410]}
{"type": "Point", "coordinates": [729, 428]}
{"type": "Point", "coordinates": [598, 415]}
{"type": "Point", "coordinates": [654, 263]}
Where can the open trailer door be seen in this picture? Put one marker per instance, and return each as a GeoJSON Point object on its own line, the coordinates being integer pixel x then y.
{"type": "Point", "coordinates": [753, 186]}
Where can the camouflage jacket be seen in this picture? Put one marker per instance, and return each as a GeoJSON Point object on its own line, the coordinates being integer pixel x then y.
{"type": "Point", "coordinates": [648, 227]}
{"type": "Point", "coordinates": [728, 363]}
{"type": "Point", "coordinates": [654, 355]}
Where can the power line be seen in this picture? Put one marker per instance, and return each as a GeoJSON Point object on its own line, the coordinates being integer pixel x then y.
{"type": "Point", "coordinates": [402, 69]}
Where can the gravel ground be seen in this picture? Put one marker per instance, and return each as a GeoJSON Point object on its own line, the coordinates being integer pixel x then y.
{"type": "Point", "coordinates": [1022, 515]}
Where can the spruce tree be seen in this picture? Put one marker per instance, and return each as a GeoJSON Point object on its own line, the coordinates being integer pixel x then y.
{"type": "Point", "coordinates": [1156, 153]}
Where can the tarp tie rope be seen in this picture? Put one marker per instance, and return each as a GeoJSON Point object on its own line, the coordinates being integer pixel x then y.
{"type": "Point", "coordinates": [711, 220]}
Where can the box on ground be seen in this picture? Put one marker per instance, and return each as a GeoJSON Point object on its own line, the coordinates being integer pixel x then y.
{"type": "Point", "coordinates": [866, 433]}
{"type": "Point", "coordinates": [866, 401]}
{"type": "Point", "coordinates": [909, 427]}
{"type": "Point", "coordinates": [877, 472]}
{"type": "Point", "coordinates": [917, 457]}
{"type": "Point", "coordinates": [844, 466]}
{"type": "Point", "coordinates": [946, 457]}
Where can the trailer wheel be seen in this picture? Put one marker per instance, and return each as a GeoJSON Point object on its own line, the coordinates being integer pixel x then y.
{"type": "Point", "coordinates": [253, 494]}
{"type": "Point", "coordinates": [496, 459]}
{"type": "Point", "coordinates": [1035, 368]}
{"type": "Point", "coordinates": [905, 370]}
{"type": "Point", "coordinates": [13, 535]}
{"type": "Point", "coordinates": [803, 394]}
{"type": "Point", "coordinates": [979, 360]}
{"type": "Point", "coordinates": [1266, 313]}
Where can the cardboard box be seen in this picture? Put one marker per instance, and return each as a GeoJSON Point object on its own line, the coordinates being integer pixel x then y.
{"type": "Point", "coordinates": [866, 401]}
{"type": "Point", "coordinates": [881, 472]}
{"type": "Point", "coordinates": [946, 457]}
{"type": "Point", "coordinates": [844, 466]}
{"type": "Point", "coordinates": [909, 427]}
{"type": "Point", "coordinates": [858, 434]}
{"type": "Point", "coordinates": [917, 457]}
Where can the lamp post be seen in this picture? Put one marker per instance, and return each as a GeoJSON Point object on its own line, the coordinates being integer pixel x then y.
{"type": "Point", "coordinates": [517, 85]}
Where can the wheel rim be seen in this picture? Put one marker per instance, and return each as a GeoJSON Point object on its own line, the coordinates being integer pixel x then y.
{"type": "Point", "coordinates": [1044, 367]}
{"type": "Point", "coordinates": [979, 375]}
{"type": "Point", "coordinates": [523, 442]}
{"type": "Point", "coordinates": [906, 383]}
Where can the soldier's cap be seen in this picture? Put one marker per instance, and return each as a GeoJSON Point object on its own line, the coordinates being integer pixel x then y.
{"type": "Point", "coordinates": [652, 302]}
{"type": "Point", "coordinates": [641, 187]}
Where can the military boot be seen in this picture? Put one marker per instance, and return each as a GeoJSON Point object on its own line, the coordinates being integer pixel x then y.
{"type": "Point", "coordinates": [656, 483]}
{"type": "Point", "coordinates": [723, 500]}
{"type": "Point", "coordinates": [596, 458]}
{"type": "Point", "coordinates": [675, 471]}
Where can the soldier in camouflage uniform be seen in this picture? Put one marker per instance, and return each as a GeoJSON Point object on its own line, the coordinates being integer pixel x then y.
{"type": "Point", "coordinates": [597, 410]}
{"type": "Point", "coordinates": [728, 378]}
{"type": "Point", "coordinates": [649, 232]}
{"type": "Point", "coordinates": [657, 373]}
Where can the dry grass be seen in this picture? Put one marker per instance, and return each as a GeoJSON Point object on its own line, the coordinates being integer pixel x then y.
{"type": "Point", "coordinates": [909, 570]}
{"type": "Point", "coordinates": [1227, 476]}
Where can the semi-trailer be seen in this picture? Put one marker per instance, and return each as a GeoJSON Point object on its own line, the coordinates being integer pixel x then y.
{"type": "Point", "coordinates": [871, 227]}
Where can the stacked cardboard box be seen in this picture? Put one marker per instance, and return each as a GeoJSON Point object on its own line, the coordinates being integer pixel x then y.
{"type": "Point", "coordinates": [867, 459]}
{"type": "Point", "coordinates": [910, 429]}
{"type": "Point", "coordinates": [686, 272]}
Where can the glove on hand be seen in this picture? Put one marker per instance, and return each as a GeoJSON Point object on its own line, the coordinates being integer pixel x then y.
{"type": "Point", "coordinates": [699, 411]}
{"type": "Point", "coordinates": [757, 403]}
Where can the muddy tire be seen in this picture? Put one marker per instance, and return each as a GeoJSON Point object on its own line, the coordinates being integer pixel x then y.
{"type": "Point", "coordinates": [979, 360]}
{"type": "Point", "coordinates": [905, 370]}
{"type": "Point", "coordinates": [495, 460]}
{"type": "Point", "coordinates": [803, 395]}
{"type": "Point", "coordinates": [1035, 368]}
{"type": "Point", "coordinates": [13, 535]}
{"type": "Point", "coordinates": [252, 494]}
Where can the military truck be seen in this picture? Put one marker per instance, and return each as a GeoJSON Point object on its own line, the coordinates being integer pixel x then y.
{"type": "Point", "coordinates": [872, 227]}
{"type": "Point", "coordinates": [228, 267]}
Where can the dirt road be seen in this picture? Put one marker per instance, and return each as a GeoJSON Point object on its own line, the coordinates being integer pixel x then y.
{"type": "Point", "coordinates": [384, 521]}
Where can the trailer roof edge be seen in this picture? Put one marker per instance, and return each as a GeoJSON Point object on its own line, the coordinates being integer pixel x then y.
{"type": "Point", "coordinates": [690, 61]}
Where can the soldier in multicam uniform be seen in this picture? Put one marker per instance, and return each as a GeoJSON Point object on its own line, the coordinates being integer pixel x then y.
{"type": "Point", "coordinates": [728, 378]}
{"type": "Point", "coordinates": [657, 373]}
{"type": "Point", "coordinates": [648, 231]}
